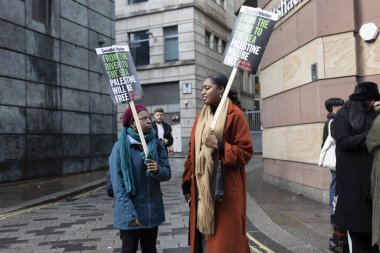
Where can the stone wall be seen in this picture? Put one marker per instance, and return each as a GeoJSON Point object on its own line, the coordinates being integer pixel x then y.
{"type": "Point", "coordinates": [56, 116]}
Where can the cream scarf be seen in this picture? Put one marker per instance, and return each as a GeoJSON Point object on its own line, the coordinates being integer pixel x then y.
{"type": "Point", "coordinates": [205, 166]}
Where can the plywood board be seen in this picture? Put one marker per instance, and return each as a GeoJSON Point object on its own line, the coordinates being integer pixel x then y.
{"type": "Point", "coordinates": [297, 65]}
{"type": "Point", "coordinates": [340, 55]}
{"type": "Point", "coordinates": [369, 58]}
{"type": "Point", "coordinates": [271, 79]}
{"type": "Point", "coordinates": [299, 143]}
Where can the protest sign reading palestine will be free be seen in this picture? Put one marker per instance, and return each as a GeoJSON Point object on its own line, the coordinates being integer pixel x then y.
{"type": "Point", "coordinates": [249, 38]}
{"type": "Point", "coordinates": [120, 73]}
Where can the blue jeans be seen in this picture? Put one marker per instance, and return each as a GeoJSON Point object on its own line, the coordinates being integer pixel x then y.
{"type": "Point", "coordinates": [332, 191]}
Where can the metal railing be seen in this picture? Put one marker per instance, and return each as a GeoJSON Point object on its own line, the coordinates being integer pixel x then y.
{"type": "Point", "coordinates": [254, 120]}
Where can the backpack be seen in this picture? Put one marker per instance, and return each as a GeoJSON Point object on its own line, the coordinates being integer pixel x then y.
{"type": "Point", "coordinates": [109, 188]}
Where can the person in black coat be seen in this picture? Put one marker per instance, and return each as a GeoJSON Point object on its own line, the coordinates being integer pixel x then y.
{"type": "Point", "coordinates": [353, 209]}
{"type": "Point", "coordinates": [163, 130]}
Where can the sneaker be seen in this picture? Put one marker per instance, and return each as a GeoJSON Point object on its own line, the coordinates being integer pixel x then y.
{"type": "Point", "coordinates": [333, 244]}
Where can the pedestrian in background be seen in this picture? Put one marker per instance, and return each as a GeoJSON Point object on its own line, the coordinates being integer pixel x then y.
{"type": "Point", "coordinates": [163, 130]}
{"type": "Point", "coordinates": [373, 145]}
{"type": "Point", "coordinates": [353, 167]}
{"type": "Point", "coordinates": [332, 106]}
{"type": "Point", "coordinates": [217, 226]}
{"type": "Point", "coordinates": [139, 207]}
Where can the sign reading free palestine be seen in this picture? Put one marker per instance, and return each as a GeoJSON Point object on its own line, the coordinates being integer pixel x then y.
{"type": "Point", "coordinates": [120, 73]}
{"type": "Point", "coordinates": [249, 38]}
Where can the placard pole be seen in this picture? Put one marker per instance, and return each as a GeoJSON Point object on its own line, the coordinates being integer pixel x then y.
{"type": "Point", "coordinates": [139, 129]}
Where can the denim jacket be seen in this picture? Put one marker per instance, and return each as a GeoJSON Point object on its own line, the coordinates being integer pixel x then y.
{"type": "Point", "coordinates": [147, 204]}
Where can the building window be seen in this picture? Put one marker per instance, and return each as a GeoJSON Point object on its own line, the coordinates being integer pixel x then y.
{"type": "Point", "coordinates": [171, 43]}
{"type": "Point", "coordinates": [220, 44]}
{"type": "Point", "coordinates": [139, 46]}
{"type": "Point", "coordinates": [136, 1]}
{"type": "Point", "coordinates": [215, 45]}
{"type": "Point", "coordinates": [214, 42]}
{"type": "Point", "coordinates": [224, 44]}
{"type": "Point", "coordinates": [208, 39]}
{"type": "Point", "coordinates": [41, 11]}
{"type": "Point", "coordinates": [221, 3]}
{"type": "Point", "coordinates": [257, 86]}
{"type": "Point", "coordinates": [257, 105]}
{"type": "Point", "coordinates": [248, 83]}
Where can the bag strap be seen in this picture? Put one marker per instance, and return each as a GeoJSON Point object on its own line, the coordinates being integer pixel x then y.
{"type": "Point", "coordinates": [329, 128]}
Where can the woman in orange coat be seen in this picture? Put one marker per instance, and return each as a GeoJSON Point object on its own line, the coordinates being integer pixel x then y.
{"type": "Point", "coordinates": [217, 226]}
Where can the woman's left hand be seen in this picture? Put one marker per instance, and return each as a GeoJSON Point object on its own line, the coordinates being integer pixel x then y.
{"type": "Point", "coordinates": [152, 166]}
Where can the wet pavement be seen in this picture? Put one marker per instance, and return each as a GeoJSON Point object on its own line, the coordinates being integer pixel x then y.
{"type": "Point", "coordinates": [293, 221]}
{"type": "Point", "coordinates": [279, 221]}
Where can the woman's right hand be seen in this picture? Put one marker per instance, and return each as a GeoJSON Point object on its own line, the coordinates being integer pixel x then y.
{"type": "Point", "coordinates": [134, 223]}
{"type": "Point", "coordinates": [187, 197]}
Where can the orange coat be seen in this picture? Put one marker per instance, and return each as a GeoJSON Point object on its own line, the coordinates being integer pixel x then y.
{"type": "Point", "coordinates": [230, 213]}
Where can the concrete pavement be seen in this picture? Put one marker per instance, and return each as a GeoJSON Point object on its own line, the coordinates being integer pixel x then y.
{"type": "Point", "coordinates": [278, 220]}
{"type": "Point", "coordinates": [293, 221]}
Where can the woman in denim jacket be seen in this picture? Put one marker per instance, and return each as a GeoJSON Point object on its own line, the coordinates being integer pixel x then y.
{"type": "Point", "coordinates": [139, 208]}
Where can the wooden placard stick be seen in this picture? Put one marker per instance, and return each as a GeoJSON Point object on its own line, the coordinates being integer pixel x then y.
{"type": "Point", "coordinates": [139, 129]}
{"type": "Point", "coordinates": [224, 98]}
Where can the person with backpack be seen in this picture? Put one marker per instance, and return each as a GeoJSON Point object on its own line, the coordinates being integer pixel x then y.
{"type": "Point", "coordinates": [139, 207]}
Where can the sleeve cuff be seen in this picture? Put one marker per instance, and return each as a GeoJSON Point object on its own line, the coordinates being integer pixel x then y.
{"type": "Point", "coordinates": [221, 148]}
{"type": "Point", "coordinates": [186, 187]}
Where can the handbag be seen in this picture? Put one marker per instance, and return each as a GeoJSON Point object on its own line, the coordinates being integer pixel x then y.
{"type": "Point", "coordinates": [327, 158]}
{"type": "Point", "coordinates": [219, 178]}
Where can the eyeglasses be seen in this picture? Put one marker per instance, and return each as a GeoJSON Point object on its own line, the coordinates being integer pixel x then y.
{"type": "Point", "coordinates": [145, 118]}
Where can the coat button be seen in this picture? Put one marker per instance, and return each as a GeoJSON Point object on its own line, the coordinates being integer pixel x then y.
{"type": "Point", "coordinates": [191, 176]}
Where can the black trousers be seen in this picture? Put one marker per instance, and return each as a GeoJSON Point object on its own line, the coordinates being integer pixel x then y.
{"type": "Point", "coordinates": [130, 240]}
{"type": "Point", "coordinates": [361, 242]}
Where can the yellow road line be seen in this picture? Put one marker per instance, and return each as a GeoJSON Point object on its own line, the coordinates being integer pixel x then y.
{"type": "Point", "coordinates": [8, 215]}
{"type": "Point", "coordinates": [262, 246]}
{"type": "Point", "coordinates": [254, 249]}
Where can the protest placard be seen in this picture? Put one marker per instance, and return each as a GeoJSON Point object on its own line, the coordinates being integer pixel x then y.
{"type": "Point", "coordinates": [120, 73]}
{"type": "Point", "coordinates": [249, 38]}
{"type": "Point", "coordinates": [122, 81]}
{"type": "Point", "coordinates": [246, 46]}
